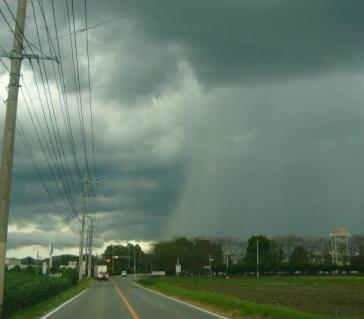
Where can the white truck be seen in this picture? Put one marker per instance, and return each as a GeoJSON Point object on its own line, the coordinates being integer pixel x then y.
{"type": "Point", "coordinates": [100, 272]}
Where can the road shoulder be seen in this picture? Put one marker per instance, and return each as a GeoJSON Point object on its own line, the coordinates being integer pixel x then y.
{"type": "Point", "coordinates": [203, 307]}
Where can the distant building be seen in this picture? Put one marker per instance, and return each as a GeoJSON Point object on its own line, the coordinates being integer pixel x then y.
{"type": "Point", "coordinates": [316, 257]}
{"type": "Point", "coordinates": [71, 265]}
{"type": "Point", "coordinates": [232, 249]}
{"type": "Point", "coordinates": [12, 262]}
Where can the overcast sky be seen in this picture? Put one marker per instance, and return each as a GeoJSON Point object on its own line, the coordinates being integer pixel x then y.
{"type": "Point", "coordinates": [211, 118]}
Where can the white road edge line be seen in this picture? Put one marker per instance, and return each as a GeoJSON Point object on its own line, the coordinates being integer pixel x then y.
{"type": "Point", "coordinates": [62, 305]}
{"type": "Point", "coordinates": [181, 302]}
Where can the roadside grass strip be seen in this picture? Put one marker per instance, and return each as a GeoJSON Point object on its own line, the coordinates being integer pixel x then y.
{"type": "Point", "coordinates": [42, 308]}
{"type": "Point", "coordinates": [229, 303]}
{"type": "Point", "coordinates": [252, 281]}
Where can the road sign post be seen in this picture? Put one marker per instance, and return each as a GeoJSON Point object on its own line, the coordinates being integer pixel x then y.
{"type": "Point", "coordinates": [178, 268]}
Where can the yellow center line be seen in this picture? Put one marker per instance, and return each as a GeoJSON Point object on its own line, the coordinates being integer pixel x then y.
{"type": "Point", "coordinates": [126, 302]}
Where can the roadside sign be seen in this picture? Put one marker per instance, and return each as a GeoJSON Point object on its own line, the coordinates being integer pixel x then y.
{"type": "Point", "coordinates": [178, 269]}
{"type": "Point", "coordinates": [158, 273]}
{"type": "Point", "coordinates": [44, 268]}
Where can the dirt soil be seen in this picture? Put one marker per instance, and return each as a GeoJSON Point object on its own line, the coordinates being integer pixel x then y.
{"type": "Point", "coordinates": [342, 300]}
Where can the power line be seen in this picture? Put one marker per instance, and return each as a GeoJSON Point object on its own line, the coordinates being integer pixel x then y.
{"type": "Point", "coordinates": [33, 123]}
{"type": "Point", "coordinates": [60, 168]}
{"type": "Point", "coordinates": [17, 25]}
{"type": "Point", "coordinates": [90, 93]}
{"type": "Point", "coordinates": [44, 146]}
{"type": "Point", "coordinates": [55, 145]}
{"type": "Point", "coordinates": [76, 75]}
{"type": "Point", "coordinates": [51, 46]}
{"type": "Point", "coordinates": [28, 149]}
{"type": "Point", "coordinates": [59, 153]}
{"type": "Point", "coordinates": [119, 18]}
{"type": "Point", "coordinates": [63, 84]}
{"type": "Point", "coordinates": [94, 195]}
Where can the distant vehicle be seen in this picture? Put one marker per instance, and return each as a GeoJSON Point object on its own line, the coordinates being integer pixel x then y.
{"type": "Point", "coordinates": [99, 269]}
{"type": "Point", "coordinates": [124, 273]}
{"type": "Point", "coordinates": [102, 276]}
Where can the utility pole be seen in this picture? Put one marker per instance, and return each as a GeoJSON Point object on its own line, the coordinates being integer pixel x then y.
{"type": "Point", "coordinates": [82, 234]}
{"type": "Point", "coordinates": [134, 265]}
{"type": "Point", "coordinates": [90, 248]}
{"type": "Point", "coordinates": [210, 260]}
{"type": "Point", "coordinates": [87, 242]}
{"type": "Point", "coordinates": [80, 257]}
{"type": "Point", "coordinates": [50, 256]}
{"type": "Point", "coordinates": [9, 138]}
{"type": "Point", "coordinates": [16, 56]}
{"type": "Point", "coordinates": [113, 260]}
{"type": "Point", "coordinates": [178, 269]}
{"type": "Point", "coordinates": [257, 257]}
{"type": "Point", "coordinates": [128, 256]}
{"type": "Point", "coordinates": [37, 267]}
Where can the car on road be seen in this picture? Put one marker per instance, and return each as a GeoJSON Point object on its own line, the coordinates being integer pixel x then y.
{"type": "Point", "coordinates": [102, 276]}
{"type": "Point", "coordinates": [124, 274]}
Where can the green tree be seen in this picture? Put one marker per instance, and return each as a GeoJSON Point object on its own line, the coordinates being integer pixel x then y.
{"type": "Point", "coordinates": [29, 269]}
{"type": "Point", "coordinates": [16, 268]}
{"type": "Point", "coordinates": [267, 258]}
{"type": "Point", "coordinates": [193, 255]}
{"type": "Point", "coordinates": [123, 256]}
{"type": "Point", "coordinates": [299, 258]}
{"type": "Point", "coordinates": [357, 262]}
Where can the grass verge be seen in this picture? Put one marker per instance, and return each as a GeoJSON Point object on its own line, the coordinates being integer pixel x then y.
{"type": "Point", "coordinates": [228, 303]}
{"type": "Point", "coordinates": [51, 303]}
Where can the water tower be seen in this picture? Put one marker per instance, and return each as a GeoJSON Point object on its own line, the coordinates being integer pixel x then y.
{"type": "Point", "coordinates": [340, 246]}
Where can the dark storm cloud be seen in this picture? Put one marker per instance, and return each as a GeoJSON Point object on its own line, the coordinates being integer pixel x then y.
{"type": "Point", "coordinates": [231, 42]}
{"type": "Point", "coordinates": [138, 184]}
{"type": "Point", "coordinates": [214, 117]}
{"type": "Point", "coordinates": [278, 162]}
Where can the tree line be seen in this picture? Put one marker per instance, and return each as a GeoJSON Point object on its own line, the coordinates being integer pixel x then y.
{"type": "Point", "coordinates": [281, 254]}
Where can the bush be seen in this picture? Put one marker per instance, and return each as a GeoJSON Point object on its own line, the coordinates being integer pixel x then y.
{"type": "Point", "coordinates": [72, 274]}
{"type": "Point", "coordinates": [16, 269]}
{"type": "Point", "coordinates": [24, 289]}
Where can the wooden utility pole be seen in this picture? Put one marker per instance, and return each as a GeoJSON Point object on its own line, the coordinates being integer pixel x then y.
{"type": "Point", "coordinates": [90, 247]}
{"type": "Point", "coordinates": [257, 257]}
{"type": "Point", "coordinates": [9, 138]}
{"type": "Point", "coordinates": [113, 260]}
{"type": "Point", "coordinates": [134, 265]}
{"type": "Point", "coordinates": [80, 257]}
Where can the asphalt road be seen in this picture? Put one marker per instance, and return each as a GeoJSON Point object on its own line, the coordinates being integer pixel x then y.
{"type": "Point", "coordinates": [120, 298]}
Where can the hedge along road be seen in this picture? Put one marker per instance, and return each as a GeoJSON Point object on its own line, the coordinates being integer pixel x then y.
{"type": "Point", "coordinates": [121, 298]}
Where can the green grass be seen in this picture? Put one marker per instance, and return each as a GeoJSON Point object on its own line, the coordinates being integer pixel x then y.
{"type": "Point", "coordinates": [51, 303]}
{"type": "Point", "coordinates": [190, 289]}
